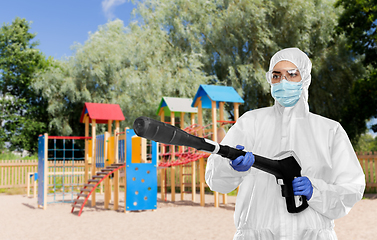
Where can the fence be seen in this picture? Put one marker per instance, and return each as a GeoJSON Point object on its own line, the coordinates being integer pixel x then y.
{"type": "Point", "coordinates": [14, 173]}
{"type": "Point", "coordinates": [368, 163]}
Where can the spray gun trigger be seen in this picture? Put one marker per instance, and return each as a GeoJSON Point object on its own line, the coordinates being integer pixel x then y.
{"type": "Point", "coordinates": [280, 182]}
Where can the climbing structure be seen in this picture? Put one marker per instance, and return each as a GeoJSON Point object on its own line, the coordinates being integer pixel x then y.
{"type": "Point", "coordinates": [139, 173]}
{"type": "Point", "coordinates": [92, 184]}
{"type": "Point", "coordinates": [172, 156]}
{"type": "Point", "coordinates": [188, 154]}
{"type": "Point", "coordinates": [60, 169]}
{"type": "Point", "coordinates": [100, 113]}
{"type": "Point", "coordinates": [213, 97]}
{"type": "Point", "coordinates": [207, 96]}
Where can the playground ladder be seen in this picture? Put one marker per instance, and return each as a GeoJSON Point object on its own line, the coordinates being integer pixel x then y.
{"type": "Point", "coordinates": [187, 179]}
{"type": "Point", "coordinates": [92, 185]}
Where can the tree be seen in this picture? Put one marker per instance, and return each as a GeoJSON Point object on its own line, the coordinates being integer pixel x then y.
{"type": "Point", "coordinates": [133, 67]}
{"type": "Point", "coordinates": [236, 40]}
{"type": "Point", "coordinates": [23, 112]}
{"type": "Point", "coordinates": [179, 44]}
{"type": "Point", "coordinates": [333, 77]}
{"type": "Point", "coordinates": [358, 22]}
{"type": "Point", "coordinates": [366, 143]}
{"type": "Point", "coordinates": [361, 106]}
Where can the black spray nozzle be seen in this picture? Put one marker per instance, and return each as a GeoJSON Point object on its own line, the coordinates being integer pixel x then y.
{"type": "Point", "coordinates": [165, 133]}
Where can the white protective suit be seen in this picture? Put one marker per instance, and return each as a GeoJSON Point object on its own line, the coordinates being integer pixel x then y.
{"type": "Point", "coordinates": [327, 159]}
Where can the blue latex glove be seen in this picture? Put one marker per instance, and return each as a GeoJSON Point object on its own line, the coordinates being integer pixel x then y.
{"type": "Point", "coordinates": [302, 186]}
{"type": "Point", "coordinates": [243, 163]}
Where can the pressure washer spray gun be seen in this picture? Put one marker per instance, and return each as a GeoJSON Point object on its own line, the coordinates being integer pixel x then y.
{"type": "Point", "coordinates": [285, 170]}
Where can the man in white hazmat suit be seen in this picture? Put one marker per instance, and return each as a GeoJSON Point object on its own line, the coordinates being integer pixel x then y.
{"type": "Point", "coordinates": [332, 178]}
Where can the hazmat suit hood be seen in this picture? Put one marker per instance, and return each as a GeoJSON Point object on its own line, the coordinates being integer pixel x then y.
{"type": "Point", "coordinates": [302, 62]}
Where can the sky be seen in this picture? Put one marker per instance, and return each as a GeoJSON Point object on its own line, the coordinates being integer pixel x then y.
{"type": "Point", "coordinates": [59, 24]}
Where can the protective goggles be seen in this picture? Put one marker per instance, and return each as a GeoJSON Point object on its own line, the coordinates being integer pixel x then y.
{"type": "Point", "coordinates": [276, 75]}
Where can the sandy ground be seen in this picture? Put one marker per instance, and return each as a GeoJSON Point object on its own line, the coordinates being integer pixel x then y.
{"type": "Point", "coordinates": [21, 219]}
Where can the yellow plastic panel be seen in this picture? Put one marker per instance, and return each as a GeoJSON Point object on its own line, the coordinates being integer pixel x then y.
{"type": "Point", "coordinates": [90, 148]}
{"type": "Point", "coordinates": [111, 150]}
{"type": "Point", "coordinates": [139, 150]}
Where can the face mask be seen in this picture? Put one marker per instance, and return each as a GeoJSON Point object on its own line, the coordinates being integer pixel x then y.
{"type": "Point", "coordinates": [287, 93]}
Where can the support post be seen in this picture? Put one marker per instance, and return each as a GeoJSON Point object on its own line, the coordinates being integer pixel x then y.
{"type": "Point", "coordinates": [214, 138]}
{"type": "Point", "coordinates": [236, 111]}
{"type": "Point", "coordinates": [162, 170]}
{"type": "Point", "coordinates": [28, 176]}
{"type": "Point", "coordinates": [172, 168]}
{"type": "Point", "coordinates": [236, 116]}
{"type": "Point", "coordinates": [201, 160]}
{"type": "Point", "coordinates": [86, 174]}
{"type": "Point", "coordinates": [193, 166]}
{"type": "Point", "coordinates": [34, 186]}
{"type": "Point", "coordinates": [86, 170]}
{"type": "Point", "coordinates": [45, 173]}
{"type": "Point", "coordinates": [181, 168]}
{"type": "Point", "coordinates": [93, 158]}
{"type": "Point", "coordinates": [116, 174]}
{"type": "Point", "coordinates": [107, 160]}
{"type": "Point", "coordinates": [221, 110]}
{"type": "Point", "coordinates": [125, 170]}
{"type": "Point", "coordinates": [107, 180]}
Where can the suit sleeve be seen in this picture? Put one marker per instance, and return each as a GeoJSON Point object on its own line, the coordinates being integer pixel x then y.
{"type": "Point", "coordinates": [335, 198]}
{"type": "Point", "coordinates": [220, 175]}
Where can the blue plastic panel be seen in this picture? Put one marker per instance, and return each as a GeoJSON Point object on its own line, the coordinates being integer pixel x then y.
{"type": "Point", "coordinates": [41, 168]}
{"type": "Point", "coordinates": [121, 157]}
{"type": "Point", "coordinates": [141, 179]}
{"type": "Point", "coordinates": [100, 151]}
{"type": "Point", "coordinates": [141, 186]}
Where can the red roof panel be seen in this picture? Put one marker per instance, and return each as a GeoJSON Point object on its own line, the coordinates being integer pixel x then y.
{"type": "Point", "coordinates": [102, 112]}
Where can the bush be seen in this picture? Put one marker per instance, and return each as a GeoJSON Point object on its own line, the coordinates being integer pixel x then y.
{"type": "Point", "coordinates": [6, 155]}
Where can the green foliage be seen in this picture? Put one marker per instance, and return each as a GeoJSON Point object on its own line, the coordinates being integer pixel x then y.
{"type": "Point", "coordinates": [23, 112]}
{"type": "Point", "coordinates": [361, 105]}
{"type": "Point", "coordinates": [133, 67]}
{"type": "Point", "coordinates": [334, 73]}
{"type": "Point", "coordinates": [181, 44]}
{"type": "Point", "coordinates": [233, 193]}
{"type": "Point", "coordinates": [366, 143]}
{"type": "Point", "coordinates": [6, 155]}
{"type": "Point", "coordinates": [236, 40]}
{"type": "Point", "coordinates": [13, 191]}
{"type": "Point", "coordinates": [232, 39]}
{"type": "Point", "coordinates": [358, 22]}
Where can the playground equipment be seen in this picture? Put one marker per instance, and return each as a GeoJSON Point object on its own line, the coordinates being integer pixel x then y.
{"type": "Point", "coordinates": [99, 113]}
{"type": "Point", "coordinates": [207, 96]}
{"type": "Point", "coordinates": [60, 170]}
{"type": "Point", "coordinates": [140, 178]}
{"type": "Point", "coordinates": [213, 97]}
{"type": "Point", "coordinates": [64, 171]}
{"type": "Point", "coordinates": [112, 156]}
{"type": "Point", "coordinates": [123, 151]}
{"type": "Point", "coordinates": [34, 177]}
{"type": "Point", "coordinates": [171, 108]}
